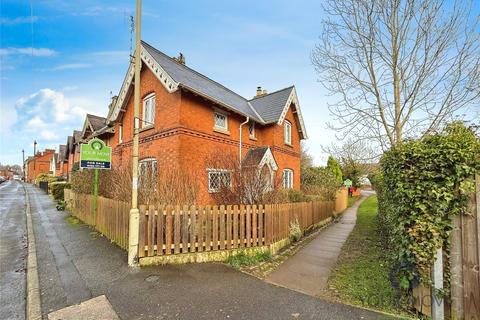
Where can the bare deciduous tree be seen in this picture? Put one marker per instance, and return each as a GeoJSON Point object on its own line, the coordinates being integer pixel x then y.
{"type": "Point", "coordinates": [400, 68]}
{"type": "Point", "coordinates": [246, 183]}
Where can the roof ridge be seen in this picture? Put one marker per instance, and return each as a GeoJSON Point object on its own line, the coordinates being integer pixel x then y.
{"type": "Point", "coordinates": [277, 91]}
{"type": "Point", "coordinates": [198, 73]}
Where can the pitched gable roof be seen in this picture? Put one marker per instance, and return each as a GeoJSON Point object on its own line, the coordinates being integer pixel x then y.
{"type": "Point", "coordinates": [77, 136]}
{"type": "Point", "coordinates": [198, 83]}
{"type": "Point", "coordinates": [259, 157]}
{"type": "Point", "coordinates": [96, 122]}
{"type": "Point", "coordinates": [173, 75]}
{"type": "Point", "coordinates": [271, 106]}
{"type": "Point", "coordinates": [61, 152]}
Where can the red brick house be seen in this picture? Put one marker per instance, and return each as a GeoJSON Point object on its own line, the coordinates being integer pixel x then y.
{"type": "Point", "coordinates": [185, 116]}
{"type": "Point", "coordinates": [38, 164]}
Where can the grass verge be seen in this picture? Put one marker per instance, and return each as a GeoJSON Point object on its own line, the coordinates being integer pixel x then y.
{"type": "Point", "coordinates": [242, 259]}
{"type": "Point", "coordinates": [362, 274]}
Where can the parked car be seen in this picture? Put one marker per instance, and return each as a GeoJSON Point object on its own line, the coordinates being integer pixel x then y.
{"type": "Point", "coordinates": [2, 179]}
{"type": "Point", "coordinates": [17, 177]}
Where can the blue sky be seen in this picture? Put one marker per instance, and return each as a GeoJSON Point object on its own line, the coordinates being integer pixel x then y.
{"type": "Point", "coordinates": [76, 53]}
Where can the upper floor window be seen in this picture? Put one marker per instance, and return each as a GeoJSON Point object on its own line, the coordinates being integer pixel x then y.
{"type": "Point", "coordinates": [251, 129]}
{"type": "Point", "coordinates": [120, 133]}
{"type": "Point", "coordinates": [287, 132]}
{"type": "Point", "coordinates": [148, 118]}
{"type": "Point", "coordinates": [221, 121]}
{"type": "Point", "coordinates": [218, 179]}
{"type": "Point", "coordinates": [288, 178]}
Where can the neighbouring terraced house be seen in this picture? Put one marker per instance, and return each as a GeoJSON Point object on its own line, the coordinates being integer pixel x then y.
{"type": "Point", "coordinates": [185, 116]}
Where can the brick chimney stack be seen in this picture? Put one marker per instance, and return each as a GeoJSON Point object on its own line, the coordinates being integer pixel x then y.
{"type": "Point", "coordinates": [260, 92]}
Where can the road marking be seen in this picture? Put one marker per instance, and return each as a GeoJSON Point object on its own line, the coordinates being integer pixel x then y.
{"type": "Point", "coordinates": [34, 309]}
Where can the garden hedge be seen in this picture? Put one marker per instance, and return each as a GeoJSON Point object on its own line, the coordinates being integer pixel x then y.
{"type": "Point", "coordinates": [422, 185]}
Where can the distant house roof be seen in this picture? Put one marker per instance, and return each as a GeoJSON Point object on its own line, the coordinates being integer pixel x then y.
{"type": "Point", "coordinates": [267, 109]}
{"type": "Point", "coordinates": [61, 152]}
{"type": "Point", "coordinates": [69, 146]}
{"type": "Point", "coordinates": [77, 136]}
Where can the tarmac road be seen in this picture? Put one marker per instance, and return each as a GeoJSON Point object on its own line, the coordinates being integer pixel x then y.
{"type": "Point", "coordinates": [77, 264]}
{"type": "Point", "coordinates": [13, 250]}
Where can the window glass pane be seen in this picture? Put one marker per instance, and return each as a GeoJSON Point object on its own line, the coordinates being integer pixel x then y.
{"type": "Point", "coordinates": [218, 180]}
{"type": "Point", "coordinates": [220, 120]}
{"type": "Point", "coordinates": [251, 129]}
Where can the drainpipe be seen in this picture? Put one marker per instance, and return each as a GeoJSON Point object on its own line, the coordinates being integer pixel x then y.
{"type": "Point", "coordinates": [240, 145]}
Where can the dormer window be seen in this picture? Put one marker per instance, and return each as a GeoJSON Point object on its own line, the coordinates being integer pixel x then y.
{"type": "Point", "coordinates": [148, 119]}
{"type": "Point", "coordinates": [220, 121]}
{"type": "Point", "coordinates": [251, 129]}
{"type": "Point", "coordinates": [287, 132]}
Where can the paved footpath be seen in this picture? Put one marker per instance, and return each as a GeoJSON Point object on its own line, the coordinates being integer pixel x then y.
{"type": "Point", "coordinates": [76, 265]}
{"type": "Point", "coordinates": [308, 270]}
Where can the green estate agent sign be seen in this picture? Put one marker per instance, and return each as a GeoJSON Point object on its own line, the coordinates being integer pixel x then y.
{"type": "Point", "coordinates": [95, 155]}
{"type": "Point", "coordinates": [347, 183]}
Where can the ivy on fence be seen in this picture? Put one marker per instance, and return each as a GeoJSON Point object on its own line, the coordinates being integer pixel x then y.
{"type": "Point", "coordinates": [423, 184]}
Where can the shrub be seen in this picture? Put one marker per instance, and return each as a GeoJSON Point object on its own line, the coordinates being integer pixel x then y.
{"type": "Point", "coordinates": [423, 184]}
{"type": "Point", "coordinates": [295, 231]}
{"type": "Point", "coordinates": [295, 195]}
{"type": "Point", "coordinates": [57, 189]}
{"type": "Point", "coordinates": [321, 182]}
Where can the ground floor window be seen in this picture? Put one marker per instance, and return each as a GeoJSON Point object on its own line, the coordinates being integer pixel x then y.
{"type": "Point", "coordinates": [288, 178]}
{"type": "Point", "coordinates": [218, 179]}
{"type": "Point", "coordinates": [147, 171]}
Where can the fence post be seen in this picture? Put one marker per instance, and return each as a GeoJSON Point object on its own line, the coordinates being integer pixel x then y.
{"type": "Point", "coordinates": [95, 196]}
{"type": "Point", "coordinates": [437, 278]}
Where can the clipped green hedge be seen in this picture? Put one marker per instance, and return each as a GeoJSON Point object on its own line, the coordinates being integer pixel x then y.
{"type": "Point", "coordinates": [57, 189]}
{"type": "Point", "coordinates": [423, 184]}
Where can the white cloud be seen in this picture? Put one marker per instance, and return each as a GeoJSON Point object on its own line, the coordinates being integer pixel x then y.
{"type": "Point", "coordinates": [48, 135]}
{"type": "Point", "coordinates": [36, 52]}
{"type": "Point", "coordinates": [18, 20]}
{"type": "Point", "coordinates": [71, 66]}
{"type": "Point", "coordinates": [48, 115]}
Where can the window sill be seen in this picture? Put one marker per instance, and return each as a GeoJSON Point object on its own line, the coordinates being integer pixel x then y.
{"type": "Point", "coordinates": [146, 128]}
{"type": "Point", "coordinates": [253, 138]}
{"type": "Point", "coordinates": [222, 131]}
{"type": "Point", "coordinates": [288, 144]}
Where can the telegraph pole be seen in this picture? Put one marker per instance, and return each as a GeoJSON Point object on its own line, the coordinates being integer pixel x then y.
{"type": "Point", "coordinates": [23, 164]}
{"type": "Point", "coordinates": [34, 158]}
{"type": "Point", "coordinates": [133, 225]}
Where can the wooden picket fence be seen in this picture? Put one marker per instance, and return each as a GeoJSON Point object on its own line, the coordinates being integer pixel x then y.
{"type": "Point", "coordinates": [110, 218]}
{"type": "Point", "coordinates": [168, 230]}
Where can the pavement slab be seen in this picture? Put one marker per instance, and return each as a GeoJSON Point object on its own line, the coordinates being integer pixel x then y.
{"type": "Point", "coordinates": [190, 291]}
{"type": "Point", "coordinates": [308, 270]}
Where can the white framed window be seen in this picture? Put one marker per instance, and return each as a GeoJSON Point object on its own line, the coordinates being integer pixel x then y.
{"type": "Point", "coordinates": [120, 133]}
{"type": "Point", "coordinates": [218, 179]}
{"type": "Point", "coordinates": [147, 171]}
{"type": "Point", "coordinates": [287, 132]}
{"type": "Point", "coordinates": [251, 129]}
{"type": "Point", "coordinates": [148, 118]}
{"type": "Point", "coordinates": [287, 178]}
{"type": "Point", "coordinates": [220, 121]}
